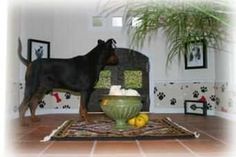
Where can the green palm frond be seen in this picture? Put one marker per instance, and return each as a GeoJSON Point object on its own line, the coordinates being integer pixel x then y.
{"type": "Point", "coordinates": [182, 23]}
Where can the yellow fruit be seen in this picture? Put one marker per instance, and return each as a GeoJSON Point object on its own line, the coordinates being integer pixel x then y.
{"type": "Point", "coordinates": [104, 102]}
{"type": "Point", "coordinates": [139, 122]}
{"type": "Point", "coordinates": [132, 121]}
{"type": "Point", "coordinates": [145, 116]}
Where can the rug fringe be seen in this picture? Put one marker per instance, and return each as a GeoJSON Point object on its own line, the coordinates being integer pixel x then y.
{"type": "Point", "coordinates": [196, 134]}
{"type": "Point", "coordinates": [47, 138]}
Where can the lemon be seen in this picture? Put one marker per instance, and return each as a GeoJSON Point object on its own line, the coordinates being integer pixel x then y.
{"type": "Point", "coordinates": [140, 122]}
{"type": "Point", "coordinates": [132, 121]}
{"type": "Point", "coordinates": [145, 116]}
{"type": "Point", "coordinates": [104, 102]}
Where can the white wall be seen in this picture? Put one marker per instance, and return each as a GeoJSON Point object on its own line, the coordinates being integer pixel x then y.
{"type": "Point", "coordinates": [12, 96]}
{"type": "Point", "coordinates": [226, 74]}
{"type": "Point", "coordinates": [68, 27]}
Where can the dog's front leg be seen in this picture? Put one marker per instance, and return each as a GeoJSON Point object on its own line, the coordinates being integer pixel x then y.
{"type": "Point", "coordinates": [83, 110]}
{"type": "Point", "coordinates": [83, 113]}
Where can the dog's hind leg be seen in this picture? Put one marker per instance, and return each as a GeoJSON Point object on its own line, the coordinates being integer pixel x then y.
{"type": "Point", "coordinates": [38, 96]}
{"type": "Point", "coordinates": [22, 109]}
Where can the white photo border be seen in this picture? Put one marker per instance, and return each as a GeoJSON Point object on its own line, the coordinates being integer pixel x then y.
{"type": "Point", "coordinates": [197, 58]}
{"type": "Point", "coordinates": [38, 45]}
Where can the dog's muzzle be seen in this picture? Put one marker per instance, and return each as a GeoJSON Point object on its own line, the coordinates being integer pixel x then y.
{"type": "Point", "coordinates": [113, 59]}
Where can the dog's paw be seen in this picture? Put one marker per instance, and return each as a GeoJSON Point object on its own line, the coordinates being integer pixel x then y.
{"type": "Point", "coordinates": [24, 124]}
{"type": "Point", "coordinates": [35, 119]}
{"type": "Point", "coordinates": [84, 118]}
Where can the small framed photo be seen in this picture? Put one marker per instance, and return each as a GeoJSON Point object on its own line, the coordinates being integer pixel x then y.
{"type": "Point", "coordinates": [195, 107]}
{"type": "Point", "coordinates": [196, 55]}
{"type": "Point", "coordinates": [38, 49]}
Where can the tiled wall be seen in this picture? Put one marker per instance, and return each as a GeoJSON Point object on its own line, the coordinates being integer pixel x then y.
{"type": "Point", "coordinates": [219, 96]}
{"type": "Point", "coordinates": [56, 102]}
{"type": "Point", "coordinates": [225, 98]}
{"type": "Point", "coordinates": [173, 94]}
{"type": "Point", "coordinates": [60, 100]}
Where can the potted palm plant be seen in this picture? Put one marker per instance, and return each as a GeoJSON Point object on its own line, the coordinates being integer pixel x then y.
{"type": "Point", "coordinates": [182, 22]}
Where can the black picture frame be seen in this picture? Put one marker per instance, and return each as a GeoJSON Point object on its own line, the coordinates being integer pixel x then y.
{"type": "Point", "coordinates": [195, 107]}
{"type": "Point", "coordinates": [38, 49]}
{"type": "Point", "coordinates": [196, 55]}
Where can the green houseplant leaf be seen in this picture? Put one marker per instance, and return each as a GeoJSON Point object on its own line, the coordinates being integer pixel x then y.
{"type": "Point", "coordinates": [182, 23]}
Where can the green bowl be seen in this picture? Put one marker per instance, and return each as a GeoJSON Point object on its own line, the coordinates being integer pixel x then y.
{"type": "Point", "coordinates": [121, 108]}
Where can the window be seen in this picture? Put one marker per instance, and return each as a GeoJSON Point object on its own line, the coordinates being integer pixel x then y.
{"type": "Point", "coordinates": [117, 22]}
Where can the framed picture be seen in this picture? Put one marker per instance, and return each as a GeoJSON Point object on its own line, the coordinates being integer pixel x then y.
{"type": "Point", "coordinates": [38, 49]}
{"type": "Point", "coordinates": [196, 55]}
{"type": "Point", "coordinates": [195, 107]}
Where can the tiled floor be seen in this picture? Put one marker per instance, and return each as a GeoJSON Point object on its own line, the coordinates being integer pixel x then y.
{"type": "Point", "coordinates": [215, 140]}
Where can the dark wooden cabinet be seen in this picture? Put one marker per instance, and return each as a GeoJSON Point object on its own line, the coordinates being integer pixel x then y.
{"type": "Point", "coordinates": [131, 72]}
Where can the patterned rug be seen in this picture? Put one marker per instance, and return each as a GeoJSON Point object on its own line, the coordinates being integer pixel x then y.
{"type": "Point", "coordinates": [163, 128]}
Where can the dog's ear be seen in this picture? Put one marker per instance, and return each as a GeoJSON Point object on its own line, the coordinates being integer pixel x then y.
{"type": "Point", "coordinates": [111, 42]}
{"type": "Point", "coordinates": [100, 41]}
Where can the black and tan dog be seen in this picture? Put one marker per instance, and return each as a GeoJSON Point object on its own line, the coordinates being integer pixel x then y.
{"type": "Point", "coordinates": [78, 74]}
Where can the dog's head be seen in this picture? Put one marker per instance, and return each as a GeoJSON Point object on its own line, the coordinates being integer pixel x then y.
{"type": "Point", "coordinates": [109, 55]}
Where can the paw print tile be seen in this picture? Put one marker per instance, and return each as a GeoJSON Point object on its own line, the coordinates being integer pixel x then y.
{"type": "Point", "coordinates": [230, 103]}
{"type": "Point", "coordinates": [213, 98]}
{"type": "Point", "coordinates": [161, 95]}
{"type": "Point", "coordinates": [66, 107]}
{"type": "Point", "coordinates": [223, 109]}
{"type": "Point", "coordinates": [21, 86]}
{"type": "Point", "coordinates": [173, 101]}
{"type": "Point", "coordinates": [193, 107]}
{"type": "Point", "coordinates": [204, 89]}
{"type": "Point", "coordinates": [67, 95]}
{"type": "Point", "coordinates": [223, 88]}
{"type": "Point", "coordinates": [155, 90]}
{"type": "Point", "coordinates": [209, 106]}
{"type": "Point", "coordinates": [195, 94]}
{"type": "Point", "coordinates": [217, 101]}
{"type": "Point", "coordinates": [42, 104]}
{"type": "Point", "coordinates": [15, 108]}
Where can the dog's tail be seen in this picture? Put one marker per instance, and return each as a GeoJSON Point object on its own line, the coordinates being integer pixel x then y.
{"type": "Point", "coordinates": [23, 60]}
